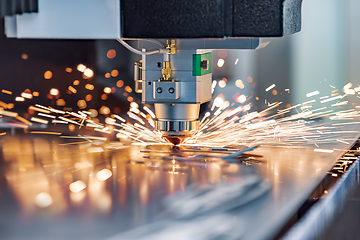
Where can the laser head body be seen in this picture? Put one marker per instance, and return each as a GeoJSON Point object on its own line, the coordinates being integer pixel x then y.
{"type": "Point", "coordinates": [177, 83]}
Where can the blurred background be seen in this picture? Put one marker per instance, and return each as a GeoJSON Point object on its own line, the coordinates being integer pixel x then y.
{"type": "Point", "coordinates": [324, 56]}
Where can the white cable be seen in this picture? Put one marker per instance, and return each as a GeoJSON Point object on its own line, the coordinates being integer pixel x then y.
{"type": "Point", "coordinates": [146, 40]}
{"type": "Point", "coordinates": [136, 51]}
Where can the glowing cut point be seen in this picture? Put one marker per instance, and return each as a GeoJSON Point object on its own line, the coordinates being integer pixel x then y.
{"type": "Point", "coordinates": [103, 175]}
{"type": "Point", "coordinates": [43, 200]}
{"type": "Point", "coordinates": [77, 186]}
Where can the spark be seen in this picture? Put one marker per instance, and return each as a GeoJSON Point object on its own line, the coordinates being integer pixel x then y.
{"type": "Point", "coordinates": [54, 91]}
{"type": "Point", "coordinates": [43, 200]}
{"type": "Point", "coordinates": [72, 89]}
{"type": "Point", "coordinates": [19, 99]}
{"type": "Point", "coordinates": [311, 94]}
{"type": "Point", "coordinates": [39, 120]}
{"type": "Point", "coordinates": [270, 87]}
{"type": "Point", "coordinates": [103, 175]}
{"type": "Point", "coordinates": [213, 86]}
{"type": "Point", "coordinates": [342, 141]}
{"type": "Point", "coordinates": [46, 115]}
{"type": "Point", "coordinates": [7, 113]}
{"type": "Point", "coordinates": [339, 104]}
{"type": "Point", "coordinates": [27, 95]}
{"type": "Point", "coordinates": [47, 133]}
{"type": "Point", "coordinates": [81, 67]}
{"type": "Point", "coordinates": [220, 62]}
{"type": "Point", "coordinates": [39, 109]}
{"type": "Point", "coordinates": [77, 186]}
{"type": "Point", "coordinates": [323, 150]}
{"type": "Point", "coordinates": [149, 111]}
{"type": "Point", "coordinates": [6, 92]}
{"type": "Point", "coordinates": [88, 73]}
{"type": "Point", "coordinates": [330, 99]}
{"type": "Point", "coordinates": [23, 120]}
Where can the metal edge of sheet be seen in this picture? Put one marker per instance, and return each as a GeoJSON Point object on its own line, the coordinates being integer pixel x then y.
{"type": "Point", "coordinates": [312, 225]}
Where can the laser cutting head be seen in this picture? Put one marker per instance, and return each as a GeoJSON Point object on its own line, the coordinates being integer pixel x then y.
{"type": "Point", "coordinates": [178, 81]}
{"type": "Point", "coordinates": [177, 121]}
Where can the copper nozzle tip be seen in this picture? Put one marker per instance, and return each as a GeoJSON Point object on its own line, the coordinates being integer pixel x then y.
{"type": "Point", "coordinates": [176, 140]}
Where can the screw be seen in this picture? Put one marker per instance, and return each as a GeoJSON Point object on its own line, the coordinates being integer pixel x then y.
{"type": "Point", "coordinates": [158, 64]}
{"type": "Point", "coordinates": [159, 90]}
{"type": "Point", "coordinates": [171, 90]}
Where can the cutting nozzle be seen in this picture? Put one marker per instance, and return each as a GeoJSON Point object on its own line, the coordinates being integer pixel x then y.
{"type": "Point", "coordinates": [176, 140]}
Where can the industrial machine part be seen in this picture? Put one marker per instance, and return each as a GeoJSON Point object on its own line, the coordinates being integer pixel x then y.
{"type": "Point", "coordinates": [176, 78]}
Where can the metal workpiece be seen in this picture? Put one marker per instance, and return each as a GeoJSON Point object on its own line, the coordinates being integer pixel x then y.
{"type": "Point", "coordinates": [142, 179]}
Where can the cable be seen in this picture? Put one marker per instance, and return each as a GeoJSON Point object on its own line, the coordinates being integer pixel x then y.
{"type": "Point", "coordinates": [146, 40]}
{"type": "Point", "coordinates": [136, 51]}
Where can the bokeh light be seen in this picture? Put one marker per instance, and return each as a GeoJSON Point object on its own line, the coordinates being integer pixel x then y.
{"type": "Point", "coordinates": [48, 75]}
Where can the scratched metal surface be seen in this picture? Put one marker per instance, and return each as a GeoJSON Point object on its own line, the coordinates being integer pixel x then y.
{"type": "Point", "coordinates": [141, 177]}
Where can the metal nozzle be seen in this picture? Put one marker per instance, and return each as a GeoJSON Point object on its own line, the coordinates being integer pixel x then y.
{"type": "Point", "coordinates": [177, 121]}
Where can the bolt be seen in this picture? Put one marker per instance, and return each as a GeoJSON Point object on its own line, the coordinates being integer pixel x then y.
{"type": "Point", "coordinates": [158, 64]}
{"type": "Point", "coordinates": [171, 90]}
{"type": "Point", "coordinates": [159, 90]}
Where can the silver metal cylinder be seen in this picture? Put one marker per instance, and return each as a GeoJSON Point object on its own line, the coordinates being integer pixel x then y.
{"type": "Point", "coordinates": [177, 112]}
{"type": "Point", "coordinates": [177, 119]}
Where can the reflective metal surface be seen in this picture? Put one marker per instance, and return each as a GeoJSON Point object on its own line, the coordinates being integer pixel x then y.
{"type": "Point", "coordinates": [51, 188]}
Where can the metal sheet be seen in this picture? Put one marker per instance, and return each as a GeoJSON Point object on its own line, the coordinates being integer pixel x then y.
{"type": "Point", "coordinates": [141, 178]}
